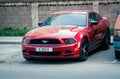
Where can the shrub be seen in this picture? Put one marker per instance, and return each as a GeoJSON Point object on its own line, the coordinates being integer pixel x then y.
{"type": "Point", "coordinates": [111, 31]}
{"type": "Point", "coordinates": [13, 32]}
{"type": "Point", "coordinates": [20, 32]}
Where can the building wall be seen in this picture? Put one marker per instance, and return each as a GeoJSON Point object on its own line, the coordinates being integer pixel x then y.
{"type": "Point", "coordinates": [15, 16]}
{"type": "Point", "coordinates": [20, 15]}
{"type": "Point", "coordinates": [109, 10]}
{"type": "Point", "coordinates": [46, 9]}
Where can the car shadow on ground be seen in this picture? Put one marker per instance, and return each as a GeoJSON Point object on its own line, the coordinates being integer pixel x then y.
{"type": "Point", "coordinates": [52, 61]}
{"type": "Point", "coordinates": [63, 61]}
{"type": "Point", "coordinates": [97, 50]}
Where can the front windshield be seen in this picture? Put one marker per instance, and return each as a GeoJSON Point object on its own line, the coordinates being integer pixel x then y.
{"type": "Point", "coordinates": [78, 19]}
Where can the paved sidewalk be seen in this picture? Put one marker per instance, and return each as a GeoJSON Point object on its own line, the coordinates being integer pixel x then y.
{"type": "Point", "coordinates": [18, 40]}
{"type": "Point", "coordinates": [10, 40]}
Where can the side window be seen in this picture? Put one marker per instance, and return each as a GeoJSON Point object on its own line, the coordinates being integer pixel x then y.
{"type": "Point", "coordinates": [93, 18]}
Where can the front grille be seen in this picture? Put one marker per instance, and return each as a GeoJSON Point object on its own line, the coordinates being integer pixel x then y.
{"type": "Point", "coordinates": [44, 42]}
{"type": "Point", "coordinates": [45, 53]}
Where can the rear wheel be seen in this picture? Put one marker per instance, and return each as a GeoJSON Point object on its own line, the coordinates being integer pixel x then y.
{"type": "Point", "coordinates": [117, 54]}
{"type": "Point", "coordinates": [106, 41]}
{"type": "Point", "coordinates": [84, 50]}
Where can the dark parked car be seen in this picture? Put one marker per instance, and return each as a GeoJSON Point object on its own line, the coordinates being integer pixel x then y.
{"type": "Point", "coordinates": [117, 37]}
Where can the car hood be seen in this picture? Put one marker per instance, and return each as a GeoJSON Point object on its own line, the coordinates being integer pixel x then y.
{"type": "Point", "coordinates": [54, 31]}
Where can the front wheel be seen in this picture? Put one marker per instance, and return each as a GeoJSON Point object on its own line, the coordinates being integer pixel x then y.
{"type": "Point", "coordinates": [84, 50]}
{"type": "Point", "coordinates": [28, 59]}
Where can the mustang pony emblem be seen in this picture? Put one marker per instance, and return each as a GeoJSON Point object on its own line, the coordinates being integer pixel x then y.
{"type": "Point", "coordinates": [45, 41]}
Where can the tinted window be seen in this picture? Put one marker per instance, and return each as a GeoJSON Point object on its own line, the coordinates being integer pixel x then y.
{"type": "Point", "coordinates": [118, 13]}
{"type": "Point", "coordinates": [66, 19]}
{"type": "Point", "coordinates": [93, 17]}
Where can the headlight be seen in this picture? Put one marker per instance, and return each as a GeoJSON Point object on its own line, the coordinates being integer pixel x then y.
{"type": "Point", "coordinates": [26, 40]}
{"type": "Point", "coordinates": [69, 40]}
{"type": "Point", "coordinates": [117, 33]}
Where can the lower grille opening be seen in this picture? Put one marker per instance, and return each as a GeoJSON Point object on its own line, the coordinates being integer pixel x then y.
{"type": "Point", "coordinates": [68, 53]}
{"type": "Point", "coordinates": [45, 53]}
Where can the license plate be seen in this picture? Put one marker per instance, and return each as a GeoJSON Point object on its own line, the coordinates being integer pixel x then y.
{"type": "Point", "coordinates": [44, 49]}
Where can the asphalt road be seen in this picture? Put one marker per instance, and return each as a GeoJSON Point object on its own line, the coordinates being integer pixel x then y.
{"type": "Point", "coordinates": [101, 64]}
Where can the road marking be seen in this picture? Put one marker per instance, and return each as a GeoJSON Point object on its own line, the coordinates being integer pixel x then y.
{"type": "Point", "coordinates": [114, 61]}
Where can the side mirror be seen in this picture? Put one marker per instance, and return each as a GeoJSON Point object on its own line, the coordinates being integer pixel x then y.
{"type": "Point", "coordinates": [93, 23]}
{"type": "Point", "coordinates": [39, 24]}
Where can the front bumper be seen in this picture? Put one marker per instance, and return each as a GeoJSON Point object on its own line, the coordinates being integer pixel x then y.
{"type": "Point", "coordinates": [59, 52]}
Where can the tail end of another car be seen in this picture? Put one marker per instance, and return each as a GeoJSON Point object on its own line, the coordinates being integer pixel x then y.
{"type": "Point", "coordinates": [116, 40]}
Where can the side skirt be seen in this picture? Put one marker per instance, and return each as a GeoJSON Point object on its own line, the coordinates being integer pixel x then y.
{"type": "Point", "coordinates": [94, 45]}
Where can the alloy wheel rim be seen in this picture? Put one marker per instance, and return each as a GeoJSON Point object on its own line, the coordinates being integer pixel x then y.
{"type": "Point", "coordinates": [84, 49]}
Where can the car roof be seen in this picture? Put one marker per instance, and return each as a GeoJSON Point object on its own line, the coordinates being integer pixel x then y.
{"type": "Point", "coordinates": [73, 11]}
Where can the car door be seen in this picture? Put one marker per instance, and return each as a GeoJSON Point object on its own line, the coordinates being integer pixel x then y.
{"type": "Point", "coordinates": [101, 27]}
{"type": "Point", "coordinates": [94, 29]}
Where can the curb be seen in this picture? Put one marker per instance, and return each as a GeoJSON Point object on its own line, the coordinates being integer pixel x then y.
{"type": "Point", "coordinates": [10, 42]}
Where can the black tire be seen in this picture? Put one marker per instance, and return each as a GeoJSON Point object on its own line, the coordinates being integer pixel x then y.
{"type": "Point", "coordinates": [106, 41]}
{"type": "Point", "coordinates": [117, 54]}
{"type": "Point", "coordinates": [28, 59]}
{"type": "Point", "coordinates": [84, 50]}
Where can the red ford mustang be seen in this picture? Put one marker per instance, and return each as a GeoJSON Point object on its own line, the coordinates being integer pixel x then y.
{"type": "Point", "coordinates": [67, 34]}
